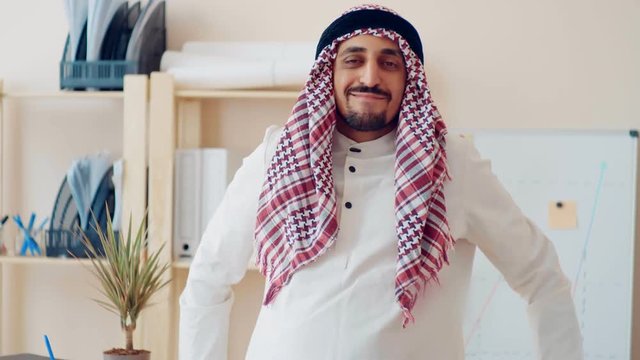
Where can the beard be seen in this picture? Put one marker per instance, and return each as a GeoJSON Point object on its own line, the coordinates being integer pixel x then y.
{"type": "Point", "coordinates": [366, 121]}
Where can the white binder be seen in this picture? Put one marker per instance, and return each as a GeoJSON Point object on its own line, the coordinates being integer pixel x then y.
{"type": "Point", "coordinates": [201, 177]}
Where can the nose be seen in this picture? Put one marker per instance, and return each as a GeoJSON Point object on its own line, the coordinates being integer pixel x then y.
{"type": "Point", "coordinates": [370, 75]}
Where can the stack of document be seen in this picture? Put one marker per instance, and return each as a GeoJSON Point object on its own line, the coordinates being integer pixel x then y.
{"type": "Point", "coordinates": [109, 29]}
{"type": "Point", "coordinates": [240, 65]}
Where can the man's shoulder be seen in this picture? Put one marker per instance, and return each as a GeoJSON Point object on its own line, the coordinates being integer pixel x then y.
{"type": "Point", "coordinates": [457, 147]}
{"type": "Point", "coordinates": [270, 140]}
{"type": "Point", "coordinates": [272, 133]}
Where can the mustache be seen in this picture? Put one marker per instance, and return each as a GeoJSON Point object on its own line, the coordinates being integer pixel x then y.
{"type": "Point", "coordinates": [366, 89]}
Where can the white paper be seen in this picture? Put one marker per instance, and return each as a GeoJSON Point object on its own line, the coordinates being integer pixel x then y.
{"type": "Point", "coordinates": [76, 13]}
{"type": "Point", "coordinates": [233, 76]}
{"type": "Point", "coordinates": [195, 71]}
{"type": "Point", "coordinates": [267, 50]}
{"type": "Point", "coordinates": [289, 73]}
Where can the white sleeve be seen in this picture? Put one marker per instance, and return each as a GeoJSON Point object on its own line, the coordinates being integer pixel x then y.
{"type": "Point", "coordinates": [221, 261]}
{"type": "Point", "coordinates": [525, 257]}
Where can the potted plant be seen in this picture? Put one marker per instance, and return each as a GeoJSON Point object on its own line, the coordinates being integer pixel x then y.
{"type": "Point", "coordinates": [127, 278]}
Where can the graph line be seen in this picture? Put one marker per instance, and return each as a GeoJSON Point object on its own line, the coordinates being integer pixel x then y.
{"type": "Point", "coordinates": [603, 168]}
{"type": "Point", "coordinates": [476, 323]}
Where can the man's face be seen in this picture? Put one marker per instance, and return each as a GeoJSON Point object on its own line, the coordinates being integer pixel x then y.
{"type": "Point", "coordinates": [369, 77]}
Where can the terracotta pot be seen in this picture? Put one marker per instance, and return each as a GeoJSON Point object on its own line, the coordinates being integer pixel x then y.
{"type": "Point", "coordinates": [145, 355]}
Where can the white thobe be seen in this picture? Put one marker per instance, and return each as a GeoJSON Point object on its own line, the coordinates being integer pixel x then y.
{"type": "Point", "coordinates": [342, 306]}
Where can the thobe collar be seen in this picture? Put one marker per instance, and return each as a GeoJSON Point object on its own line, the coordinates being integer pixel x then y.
{"type": "Point", "coordinates": [381, 146]}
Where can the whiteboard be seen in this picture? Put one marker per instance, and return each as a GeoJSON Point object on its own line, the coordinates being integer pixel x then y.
{"type": "Point", "coordinates": [597, 171]}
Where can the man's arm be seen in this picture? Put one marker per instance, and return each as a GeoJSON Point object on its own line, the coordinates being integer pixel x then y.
{"type": "Point", "coordinates": [525, 257]}
{"type": "Point", "coordinates": [221, 261]}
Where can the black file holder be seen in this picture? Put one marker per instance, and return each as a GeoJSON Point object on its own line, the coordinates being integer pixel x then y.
{"type": "Point", "coordinates": [64, 236]}
{"type": "Point", "coordinates": [108, 74]}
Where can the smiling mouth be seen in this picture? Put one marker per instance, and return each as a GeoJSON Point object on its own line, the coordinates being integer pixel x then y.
{"type": "Point", "coordinates": [368, 95]}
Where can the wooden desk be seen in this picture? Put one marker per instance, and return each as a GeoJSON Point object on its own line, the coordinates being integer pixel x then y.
{"type": "Point", "coordinates": [24, 357]}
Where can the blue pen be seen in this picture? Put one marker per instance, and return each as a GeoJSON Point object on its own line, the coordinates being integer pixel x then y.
{"type": "Point", "coordinates": [46, 342]}
{"type": "Point", "coordinates": [32, 220]}
{"type": "Point", "coordinates": [18, 220]}
{"type": "Point", "coordinates": [32, 244]}
{"type": "Point", "coordinates": [29, 243]}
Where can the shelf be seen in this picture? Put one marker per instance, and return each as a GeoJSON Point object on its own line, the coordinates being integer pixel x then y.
{"type": "Point", "coordinates": [236, 94]}
{"type": "Point", "coordinates": [42, 260]}
{"type": "Point", "coordinates": [181, 264]}
{"type": "Point", "coordinates": [65, 94]}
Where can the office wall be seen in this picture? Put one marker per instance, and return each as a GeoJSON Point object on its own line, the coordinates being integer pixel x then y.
{"type": "Point", "coordinates": [495, 63]}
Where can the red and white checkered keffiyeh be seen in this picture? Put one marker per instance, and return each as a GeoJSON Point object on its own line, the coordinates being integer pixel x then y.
{"type": "Point", "coordinates": [296, 220]}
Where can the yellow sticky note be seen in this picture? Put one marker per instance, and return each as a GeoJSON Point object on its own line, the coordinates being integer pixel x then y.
{"type": "Point", "coordinates": [563, 215]}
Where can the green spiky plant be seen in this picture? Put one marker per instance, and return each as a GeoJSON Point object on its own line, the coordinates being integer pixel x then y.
{"type": "Point", "coordinates": [128, 277]}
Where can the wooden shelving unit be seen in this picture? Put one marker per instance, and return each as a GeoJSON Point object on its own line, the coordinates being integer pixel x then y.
{"type": "Point", "coordinates": [65, 94]}
{"type": "Point", "coordinates": [134, 118]}
{"type": "Point", "coordinates": [157, 119]}
{"type": "Point", "coordinates": [235, 94]}
{"type": "Point", "coordinates": [42, 260]}
{"type": "Point", "coordinates": [175, 121]}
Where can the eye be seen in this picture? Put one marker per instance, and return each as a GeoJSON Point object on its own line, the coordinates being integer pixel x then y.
{"type": "Point", "coordinates": [391, 65]}
{"type": "Point", "coordinates": [352, 61]}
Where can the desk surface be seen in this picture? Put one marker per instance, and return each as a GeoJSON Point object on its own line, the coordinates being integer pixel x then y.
{"type": "Point", "coordinates": [24, 357]}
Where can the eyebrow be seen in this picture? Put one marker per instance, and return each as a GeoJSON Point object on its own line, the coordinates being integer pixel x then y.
{"type": "Point", "coordinates": [359, 49]}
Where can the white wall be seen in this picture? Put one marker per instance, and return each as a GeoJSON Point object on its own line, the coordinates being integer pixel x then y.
{"type": "Point", "coordinates": [495, 63]}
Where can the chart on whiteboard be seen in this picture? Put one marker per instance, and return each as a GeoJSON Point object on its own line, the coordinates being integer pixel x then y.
{"type": "Point", "coordinates": [579, 188]}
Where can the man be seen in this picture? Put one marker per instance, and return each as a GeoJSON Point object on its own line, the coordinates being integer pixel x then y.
{"type": "Point", "coordinates": [368, 216]}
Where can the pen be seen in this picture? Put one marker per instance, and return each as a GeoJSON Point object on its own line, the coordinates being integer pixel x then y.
{"type": "Point", "coordinates": [44, 222]}
{"type": "Point", "coordinates": [46, 342]}
{"type": "Point", "coordinates": [32, 219]}
{"type": "Point", "coordinates": [3, 221]}
{"type": "Point", "coordinates": [3, 248]}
